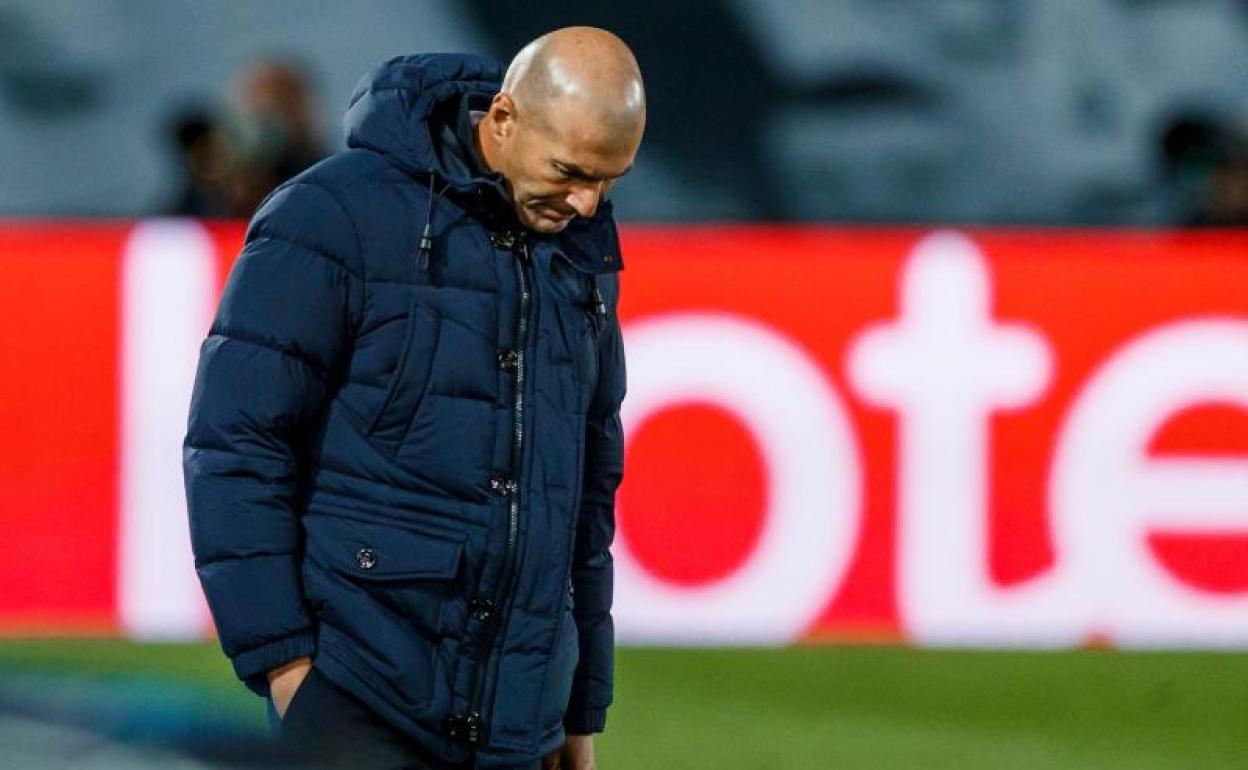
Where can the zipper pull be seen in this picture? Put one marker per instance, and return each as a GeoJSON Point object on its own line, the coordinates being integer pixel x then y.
{"type": "Point", "coordinates": [426, 245]}
{"type": "Point", "coordinates": [597, 306]}
{"type": "Point", "coordinates": [600, 305]}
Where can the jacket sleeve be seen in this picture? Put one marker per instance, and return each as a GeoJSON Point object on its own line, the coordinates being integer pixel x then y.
{"type": "Point", "coordinates": [265, 372]}
{"type": "Point", "coordinates": [592, 570]}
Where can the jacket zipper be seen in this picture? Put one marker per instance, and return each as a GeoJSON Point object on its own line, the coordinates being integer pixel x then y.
{"type": "Point", "coordinates": [468, 727]}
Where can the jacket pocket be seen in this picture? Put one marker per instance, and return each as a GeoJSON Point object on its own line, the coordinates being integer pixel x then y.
{"type": "Point", "coordinates": [410, 380]}
{"type": "Point", "coordinates": [397, 595]}
{"type": "Point", "coordinates": [399, 569]}
{"type": "Point", "coordinates": [372, 551]}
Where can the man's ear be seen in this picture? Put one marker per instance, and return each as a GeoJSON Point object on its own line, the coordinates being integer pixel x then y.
{"type": "Point", "coordinates": [502, 116]}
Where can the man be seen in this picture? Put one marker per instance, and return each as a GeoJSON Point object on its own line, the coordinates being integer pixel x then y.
{"type": "Point", "coordinates": [404, 440]}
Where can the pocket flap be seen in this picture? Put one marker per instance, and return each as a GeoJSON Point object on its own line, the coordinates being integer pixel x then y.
{"type": "Point", "coordinates": [373, 551]}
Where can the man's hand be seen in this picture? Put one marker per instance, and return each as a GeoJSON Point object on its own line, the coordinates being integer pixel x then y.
{"type": "Point", "coordinates": [285, 680]}
{"type": "Point", "coordinates": [577, 753]}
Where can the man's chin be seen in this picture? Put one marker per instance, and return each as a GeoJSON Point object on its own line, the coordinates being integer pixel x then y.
{"type": "Point", "coordinates": [545, 225]}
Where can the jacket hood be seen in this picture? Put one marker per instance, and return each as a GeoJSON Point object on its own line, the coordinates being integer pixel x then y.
{"type": "Point", "coordinates": [391, 111]}
{"type": "Point", "coordinates": [391, 106]}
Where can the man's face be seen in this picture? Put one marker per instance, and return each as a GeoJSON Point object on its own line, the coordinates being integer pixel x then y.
{"type": "Point", "coordinates": [560, 164]}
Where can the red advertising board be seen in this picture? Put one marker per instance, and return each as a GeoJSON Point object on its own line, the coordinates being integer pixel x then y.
{"type": "Point", "coordinates": [986, 437]}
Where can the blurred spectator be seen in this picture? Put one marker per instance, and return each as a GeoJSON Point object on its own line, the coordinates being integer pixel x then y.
{"type": "Point", "coordinates": [1205, 168]}
{"type": "Point", "coordinates": [272, 129]}
{"type": "Point", "coordinates": [267, 136]}
{"type": "Point", "coordinates": [1228, 190]}
{"type": "Point", "coordinates": [204, 163]}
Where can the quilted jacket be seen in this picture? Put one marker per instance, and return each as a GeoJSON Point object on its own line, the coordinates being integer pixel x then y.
{"type": "Point", "coordinates": [404, 438]}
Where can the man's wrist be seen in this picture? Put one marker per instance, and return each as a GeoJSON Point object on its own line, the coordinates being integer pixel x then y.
{"type": "Point", "coordinates": [288, 666]}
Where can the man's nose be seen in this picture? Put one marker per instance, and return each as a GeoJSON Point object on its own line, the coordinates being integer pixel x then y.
{"type": "Point", "coordinates": [585, 197]}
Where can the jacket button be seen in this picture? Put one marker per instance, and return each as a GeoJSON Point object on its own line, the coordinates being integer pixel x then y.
{"type": "Point", "coordinates": [504, 239]}
{"type": "Point", "coordinates": [481, 609]}
{"type": "Point", "coordinates": [366, 558]}
{"type": "Point", "coordinates": [509, 361]}
{"type": "Point", "coordinates": [501, 486]}
{"type": "Point", "coordinates": [465, 728]}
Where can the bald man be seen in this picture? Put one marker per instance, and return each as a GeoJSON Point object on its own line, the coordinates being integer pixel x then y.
{"type": "Point", "coordinates": [404, 440]}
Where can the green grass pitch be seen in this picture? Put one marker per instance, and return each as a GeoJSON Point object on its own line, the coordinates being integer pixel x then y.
{"type": "Point", "coordinates": [825, 706]}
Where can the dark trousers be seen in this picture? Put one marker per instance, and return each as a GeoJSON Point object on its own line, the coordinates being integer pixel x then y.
{"type": "Point", "coordinates": [330, 728]}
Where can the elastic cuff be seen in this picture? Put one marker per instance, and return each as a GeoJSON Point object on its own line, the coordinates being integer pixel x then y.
{"type": "Point", "coordinates": [254, 665]}
{"type": "Point", "coordinates": [585, 721]}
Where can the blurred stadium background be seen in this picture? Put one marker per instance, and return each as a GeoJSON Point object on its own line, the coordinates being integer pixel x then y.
{"type": "Point", "coordinates": [937, 318]}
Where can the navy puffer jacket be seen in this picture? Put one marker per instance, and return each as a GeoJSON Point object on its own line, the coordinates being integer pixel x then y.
{"type": "Point", "coordinates": [403, 452]}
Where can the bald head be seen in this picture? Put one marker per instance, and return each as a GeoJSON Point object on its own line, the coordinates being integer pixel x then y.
{"type": "Point", "coordinates": [565, 126]}
{"type": "Point", "coordinates": [581, 70]}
